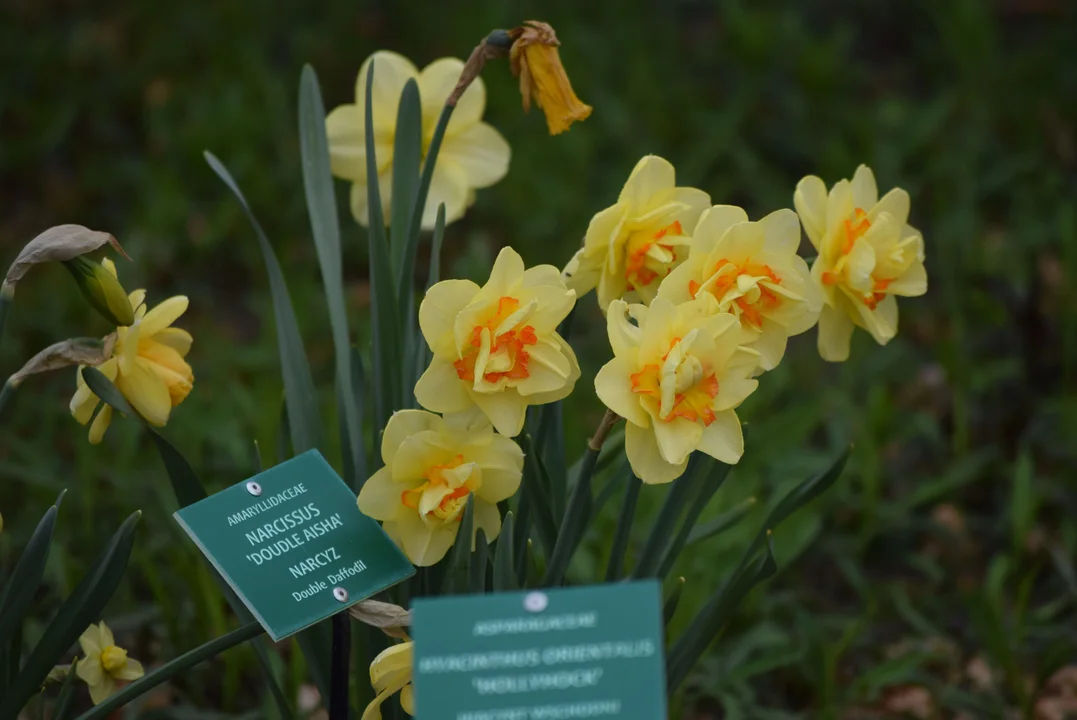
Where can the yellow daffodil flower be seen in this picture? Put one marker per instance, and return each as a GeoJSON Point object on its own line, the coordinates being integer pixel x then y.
{"type": "Point", "coordinates": [105, 663]}
{"type": "Point", "coordinates": [473, 154]}
{"type": "Point", "coordinates": [391, 673]}
{"type": "Point", "coordinates": [753, 270]}
{"type": "Point", "coordinates": [868, 255]}
{"type": "Point", "coordinates": [432, 466]}
{"type": "Point", "coordinates": [147, 365]}
{"type": "Point", "coordinates": [496, 349]}
{"type": "Point", "coordinates": [676, 378]}
{"type": "Point", "coordinates": [633, 245]}
{"type": "Point", "coordinates": [534, 59]}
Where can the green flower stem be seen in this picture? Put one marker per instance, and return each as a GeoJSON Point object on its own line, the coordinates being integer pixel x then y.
{"type": "Point", "coordinates": [7, 296]}
{"type": "Point", "coordinates": [184, 662]}
{"type": "Point", "coordinates": [338, 672]}
{"type": "Point", "coordinates": [5, 394]}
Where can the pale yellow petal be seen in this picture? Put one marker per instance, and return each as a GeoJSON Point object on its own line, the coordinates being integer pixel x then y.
{"type": "Point", "coordinates": [677, 438]}
{"type": "Point", "coordinates": [651, 175]}
{"type": "Point", "coordinates": [358, 197]}
{"type": "Point", "coordinates": [380, 497]}
{"type": "Point", "coordinates": [448, 185]}
{"type": "Point", "coordinates": [865, 191]}
{"type": "Point", "coordinates": [624, 336]}
{"type": "Point", "coordinates": [101, 691]}
{"type": "Point", "coordinates": [436, 82]}
{"type": "Point", "coordinates": [100, 425]}
{"type": "Point", "coordinates": [613, 385]}
{"type": "Point", "coordinates": [132, 670]}
{"type": "Point", "coordinates": [175, 338]}
{"type": "Point", "coordinates": [835, 332]}
{"type": "Point", "coordinates": [105, 636]}
{"type": "Point", "coordinates": [146, 392]}
{"type": "Point", "coordinates": [89, 668]}
{"type": "Point", "coordinates": [423, 544]}
{"type": "Point", "coordinates": [407, 699]}
{"type": "Point", "coordinates": [723, 439]}
{"type": "Point", "coordinates": [505, 410]}
{"type": "Point", "coordinates": [839, 208]}
{"type": "Point", "coordinates": [502, 464]}
{"type": "Point", "coordinates": [441, 390]}
{"type": "Point", "coordinates": [646, 459]}
{"type": "Point", "coordinates": [163, 315]}
{"type": "Point", "coordinates": [912, 283]}
{"type": "Point", "coordinates": [781, 232]}
{"type": "Point", "coordinates": [402, 425]}
{"type": "Point", "coordinates": [438, 311]}
{"type": "Point", "coordinates": [344, 127]}
{"type": "Point", "coordinates": [91, 644]}
{"type": "Point", "coordinates": [713, 224]}
{"type": "Point", "coordinates": [373, 709]}
{"type": "Point", "coordinates": [488, 519]}
{"type": "Point", "coordinates": [391, 669]}
{"type": "Point", "coordinates": [481, 152]}
{"type": "Point", "coordinates": [391, 73]}
{"type": "Point", "coordinates": [895, 203]}
{"type": "Point", "coordinates": [810, 200]}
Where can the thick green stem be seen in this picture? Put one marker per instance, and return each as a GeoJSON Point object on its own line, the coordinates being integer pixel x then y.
{"type": "Point", "coordinates": [7, 297]}
{"type": "Point", "coordinates": [184, 662]}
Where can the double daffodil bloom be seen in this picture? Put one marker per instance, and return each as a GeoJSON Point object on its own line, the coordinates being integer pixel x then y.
{"type": "Point", "coordinates": [752, 269]}
{"type": "Point", "coordinates": [676, 378]}
{"type": "Point", "coordinates": [391, 673]}
{"type": "Point", "coordinates": [633, 245]}
{"type": "Point", "coordinates": [432, 466]}
{"type": "Point", "coordinates": [868, 255]}
{"type": "Point", "coordinates": [105, 663]}
{"type": "Point", "coordinates": [147, 365]}
{"type": "Point", "coordinates": [496, 349]}
{"type": "Point", "coordinates": [473, 154]}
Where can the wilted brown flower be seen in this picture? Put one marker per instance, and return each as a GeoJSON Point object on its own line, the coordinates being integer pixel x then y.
{"type": "Point", "coordinates": [536, 61]}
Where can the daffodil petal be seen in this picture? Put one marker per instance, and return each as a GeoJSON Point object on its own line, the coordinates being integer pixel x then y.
{"type": "Point", "coordinates": [651, 175]}
{"type": "Point", "coordinates": [132, 670]}
{"type": "Point", "coordinates": [89, 669]}
{"type": "Point", "coordinates": [440, 390]}
{"type": "Point", "coordinates": [391, 73]}
{"type": "Point", "coordinates": [100, 425]}
{"type": "Point", "coordinates": [506, 411]}
{"type": "Point", "coordinates": [723, 439]}
{"type": "Point", "coordinates": [175, 338]}
{"type": "Point", "coordinates": [677, 438]}
{"type": "Point", "coordinates": [613, 385]}
{"type": "Point", "coordinates": [480, 151]}
{"type": "Point", "coordinates": [436, 82]}
{"type": "Point", "coordinates": [487, 519]}
{"type": "Point", "coordinates": [163, 315]}
{"type": "Point", "coordinates": [835, 332]}
{"type": "Point", "coordinates": [402, 425]}
{"type": "Point", "coordinates": [449, 185]}
{"type": "Point", "coordinates": [646, 460]}
{"type": "Point", "coordinates": [146, 392]}
{"type": "Point", "coordinates": [438, 311]}
{"type": "Point", "coordinates": [102, 690]}
{"type": "Point", "coordinates": [344, 128]}
{"type": "Point", "coordinates": [865, 191]}
{"type": "Point", "coordinates": [379, 497]}
{"type": "Point", "coordinates": [424, 545]}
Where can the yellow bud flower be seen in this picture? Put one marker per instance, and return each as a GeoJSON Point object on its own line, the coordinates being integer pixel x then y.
{"type": "Point", "coordinates": [676, 377]}
{"type": "Point", "coordinates": [101, 289]}
{"type": "Point", "coordinates": [432, 466]}
{"type": "Point", "coordinates": [631, 246]}
{"type": "Point", "coordinates": [752, 269]}
{"type": "Point", "coordinates": [534, 59]}
{"type": "Point", "coordinates": [868, 255]}
{"type": "Point", "coordinates": [105, 663]}
{"type": "Point", "coordinates": [390, 673]}
{"type": "Point", "coordinates": [147, 365]}
{"type": "Point", "coordinates": [496, 349]}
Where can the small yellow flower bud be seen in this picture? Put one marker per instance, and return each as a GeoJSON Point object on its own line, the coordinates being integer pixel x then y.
{"type": "Point", "coordinates": [102, 289]}
{"type": "Point", "coordinates": [114, 659]}
{"type": "Point", "coordinates": [536, 61]}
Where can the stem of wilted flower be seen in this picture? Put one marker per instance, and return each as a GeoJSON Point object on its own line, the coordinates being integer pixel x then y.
{"type": "Point", "coordinates": [603, 429]}
{"type": "Point", "coordinates": [495, 45]}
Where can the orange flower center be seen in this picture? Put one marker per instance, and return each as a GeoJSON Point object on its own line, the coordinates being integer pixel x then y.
{"type": "Point", "coordinates": [642, 268]}
{"type": "Point", "coordinates": [726, 273]}
{"type": "Point", "coordinates": [509, 345]}
{"type": "Point", "coordinates": [688, 391]}
{"type": "Point", "coordinates": [435, 478]}
{"type": "Point", "coordinates": [854, 229]}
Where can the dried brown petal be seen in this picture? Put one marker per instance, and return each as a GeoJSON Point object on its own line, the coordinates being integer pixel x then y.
{"type": "Point", "coordinates": [59, 243]}
{"type": "Point", "coordinates": [388, 617]}
{"type": "Point", "coordinates": [69, 353]}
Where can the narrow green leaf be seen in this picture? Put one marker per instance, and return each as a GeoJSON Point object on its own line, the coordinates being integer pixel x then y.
{"type": "Point", "coordinates": [521, 537]}
{"type": "Point", "coordinates": [709, 622]}
{"type": "Point", "coordinates": [458, 571]}
{"type": "Point", "coordinates": [574, 524]}
{"type": "Point", "coordinates": [609, 490]}
{"type": "Point", "coordinates": [535, 488]}
{"type": "Point", "coordinates": [722, 523]}
{"type": "Point", "coordinates": [679, 493]}
{"type": "Point", "coordinates": [65, 700]}
{"type": "Point", "coordinates": [550, 441]}
{"type": "Point", "coordinates": [534, 572]}
{"type": "Point", "coordinates": [479, 560]}
{"type": "Point", "coordinates": [422, 351]}
{"type": "Point", "coordinates": [711, 474]}
{"type": "Point", "coordinates": [388, 348]}
{"type": "Point", "coordinates": [504, 572]}
{"type": "Point", "coordinates": [103, 388]}
{"type": "Point", "coordinates": [416, 224]}
{"type": "Point", "coordinates": [325, 228]}
{"type": "Point", "coordinates": [669, 608]}
{"type": "Point", "coordinates": [5, 396]}
{"type": "Point", "coordinates": [81, 608]}
{"type": "Point", "coordinates": [621, 536]}
{"type": "Point", "coordinates": [7, 295]}
{"type": "Point", "coordinates": [407, 157]}
{"type": "Point", "coordinates": [1023, 501]}
{"type": "Point", "coordinates": [172, 668]}
{"type": "Point", "coordinates": [22, 584]}
{"type": "Point", "coordinates": [304, 420]}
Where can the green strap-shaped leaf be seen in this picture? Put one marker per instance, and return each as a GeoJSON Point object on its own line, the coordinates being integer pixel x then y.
{"type": "Point", "coordinates": [479, 560]}
{"type": "Point", "coordinates": [574, 524]}
{"type": "Point", "coordinates": [714, 616]}
{"type": "Point", "coordinates": [66, 700]}
{"type": "Point", "coordinates": [407, 156]}
{"type": "Point", "coordinates": [81, 608]}
{"type": "Point", "coordinates": [521, 536]}
{"type": "Point", "coordinates": [22, 585]}
{"type": "Point", "coordinates": [723, 522]}
{"type": "Point", "coordinates": [711, 474]}
{"type": "Point", "coordinates": [504, 558]}
{"type": "Point", "coordinates": [325, 228]}
{"type": "Point", "coordinates": [669, 608]}
{"type": "Point", "coordinates": [422, 351]}
{"type": "Point", "coordinates": [536, 485]}
{"type": "Point", "coordinates": [172, 668]}
{"type": "Point", "coordinates": [303, 417]}
{"type": "Point", "coordinates": [6, 391]}
{"type": "Point", "coordinates": [679, 493]}
{"type": "Point", "coordinates": [388, 348]}
{"type": "Point", "coordinates": [458, 571]}
{"type": "Point", "coordinates": [623, 532]}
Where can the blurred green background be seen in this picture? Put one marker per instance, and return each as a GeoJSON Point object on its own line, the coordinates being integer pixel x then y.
{"type": "Point", "coordinates": [936, 578]}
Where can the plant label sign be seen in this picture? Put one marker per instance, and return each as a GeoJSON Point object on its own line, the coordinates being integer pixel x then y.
{"type": "Point", "coordinates": [293, 545]}
{"type": "Point", "coordinates": [587, 652]}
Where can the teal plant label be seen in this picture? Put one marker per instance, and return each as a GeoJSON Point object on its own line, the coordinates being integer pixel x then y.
{"type": "Point", "coordinates": [588, 652]}
{"type": "Point", "coordinates": [293, 545]}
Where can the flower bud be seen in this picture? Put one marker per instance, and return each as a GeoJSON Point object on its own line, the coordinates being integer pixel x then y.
{"type": "Point", "coordinates": [102, 289]}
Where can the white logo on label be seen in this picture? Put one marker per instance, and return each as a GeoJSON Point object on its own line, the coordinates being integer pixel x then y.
{"type": "Point", "coordinates": [536, 601]}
